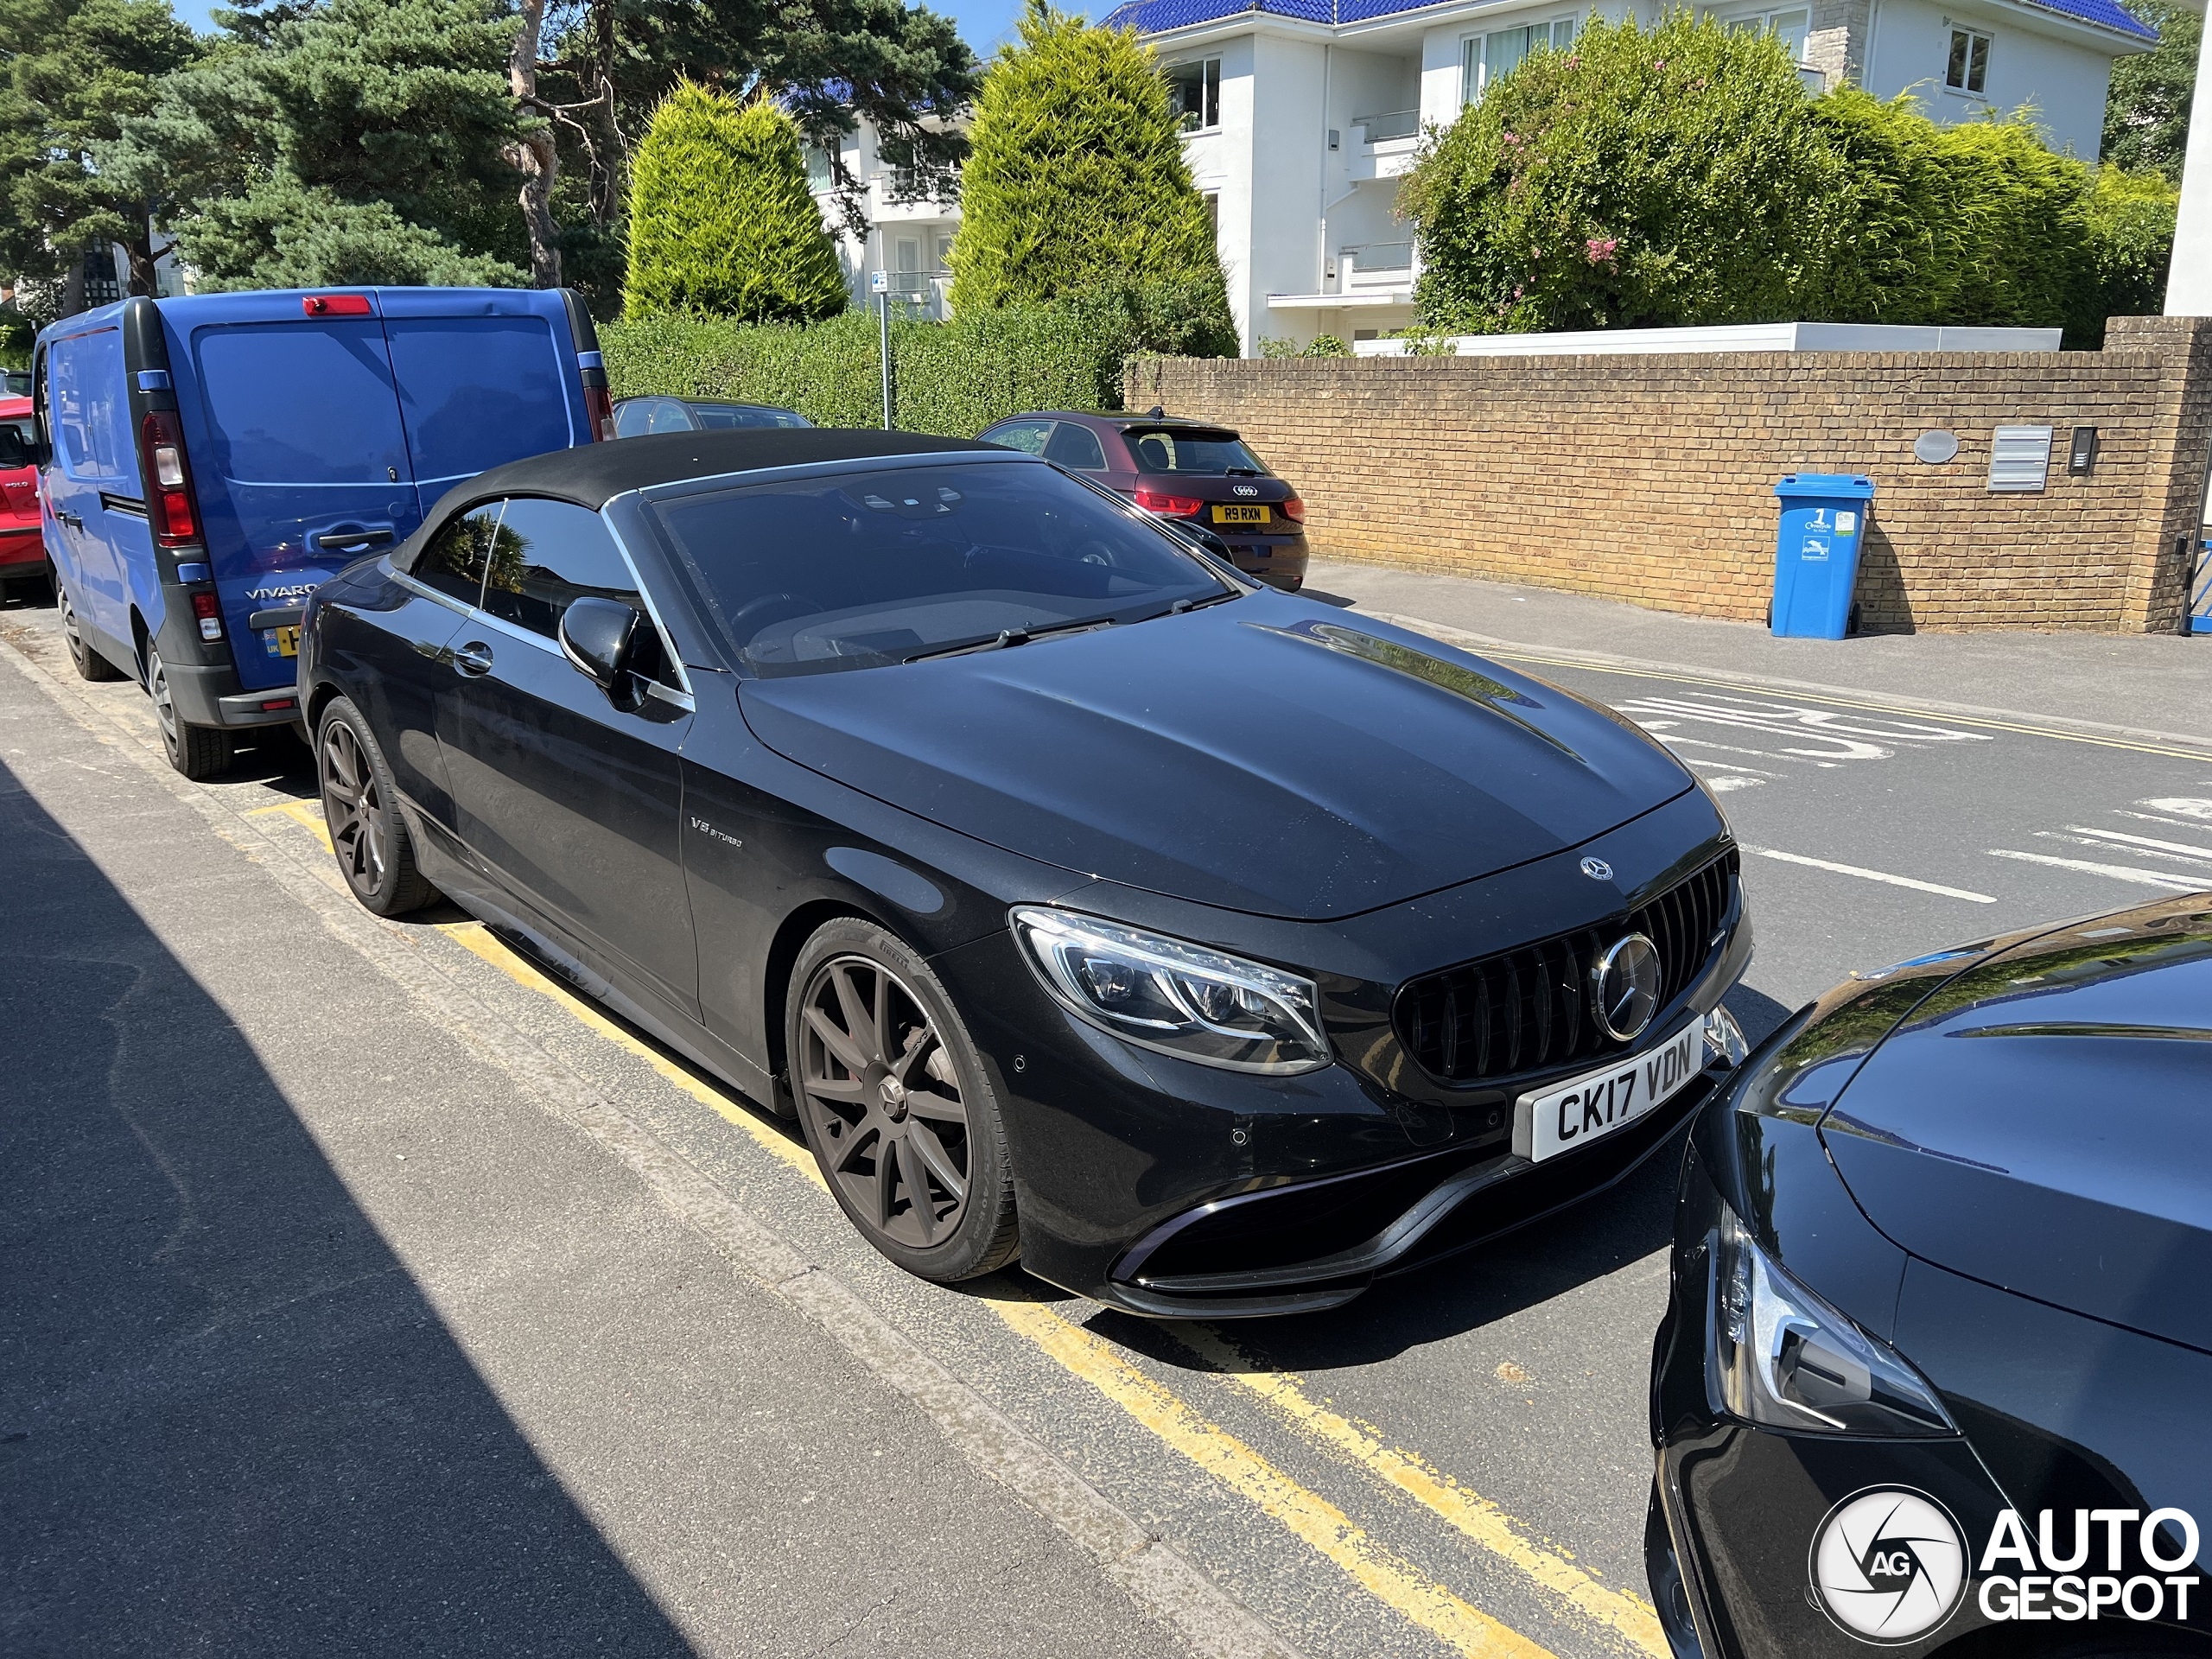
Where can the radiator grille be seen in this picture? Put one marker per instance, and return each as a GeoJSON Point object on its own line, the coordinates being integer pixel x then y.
{"type": "Point", "coordinates": [1529, 1009]}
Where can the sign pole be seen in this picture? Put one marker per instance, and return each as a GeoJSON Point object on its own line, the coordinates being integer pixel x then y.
{"type": "Point", "coordinates": [880, 281]}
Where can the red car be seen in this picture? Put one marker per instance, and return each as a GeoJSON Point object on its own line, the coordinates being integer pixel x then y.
{"type": "Point", "coordinates": [23, 551]}
{"type": "Point", "coordinates": [1186, 470]}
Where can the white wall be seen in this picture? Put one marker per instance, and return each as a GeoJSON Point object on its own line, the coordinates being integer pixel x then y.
{"type": "Point", "coordinates": [1221, 166]}
{"type": "Point", "coordinates": [1289, 145]}
{"type": "Point", "coordinates": [2065, 82]}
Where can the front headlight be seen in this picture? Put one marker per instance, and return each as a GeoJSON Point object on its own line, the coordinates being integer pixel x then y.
{"type": "Point", "coordinates": [1181, 999]}
{"type": "Point", "coordinates": [1786, 1359]}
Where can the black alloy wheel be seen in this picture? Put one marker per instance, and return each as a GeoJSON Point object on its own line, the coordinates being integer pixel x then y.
{"type": "Point", "coordinates": [894, 1101]}
{"type": "Point", "coordinates": [366, 832]}
{"type": "Point", "coordinates": [199, 752]}
{"type": "Point", "coordinates": [84, 656]}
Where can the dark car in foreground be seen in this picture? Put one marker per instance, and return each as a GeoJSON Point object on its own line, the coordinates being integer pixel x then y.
{"type": "Point", "coordinates": [1192, 472]}
{"type": "Point", "coordinates": [1936, 1370]}
{"type": "Point", "coordinates": [912, 786]}
{"type": "Point", "coordinates": [637, 417]}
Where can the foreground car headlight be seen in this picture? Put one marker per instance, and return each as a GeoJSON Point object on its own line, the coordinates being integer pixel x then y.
{"type": "Point", "coordinates": [1785, 1358]}
{"type": "Point", "coordinates": [1181, 999]}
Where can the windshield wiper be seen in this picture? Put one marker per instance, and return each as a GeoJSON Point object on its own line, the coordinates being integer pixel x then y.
{"type": "Point", "coordinates": [1242, 472]}
{"type": "Point", "coordinates": [1183, 605]}
{"type": "Point", "coordinates": [1009, 637]}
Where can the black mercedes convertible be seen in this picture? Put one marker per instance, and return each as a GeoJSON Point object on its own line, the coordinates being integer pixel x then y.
{"type": "Point", "coordinates": [1210, 948]}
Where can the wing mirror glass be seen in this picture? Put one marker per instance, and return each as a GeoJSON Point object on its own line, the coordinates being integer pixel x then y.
{"type": "Point", "coordinates": [598, 636]}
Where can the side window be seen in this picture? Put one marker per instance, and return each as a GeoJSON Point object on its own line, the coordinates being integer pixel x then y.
{"type": "Point", "coordinates": [454, 560]}
{"type": "Point", "coordinates": [1077, 447]}
{"type": "Point", "coordinates": [549, 555]}
{"type": "Point", "coordinates": [1022, 434]}
{"type": "Point", "coordinates": [89, 411]}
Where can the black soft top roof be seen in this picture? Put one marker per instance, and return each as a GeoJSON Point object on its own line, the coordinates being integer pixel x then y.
{"type": "Point", "coordinates": [592, 475]}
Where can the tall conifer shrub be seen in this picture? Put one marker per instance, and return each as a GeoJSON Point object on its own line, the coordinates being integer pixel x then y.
{"type": "Point", "coordinates": [1076, 184]}
{"type": "Point", "coordinates": [720, 218]}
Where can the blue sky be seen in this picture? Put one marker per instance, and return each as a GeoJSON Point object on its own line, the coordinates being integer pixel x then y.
{"type": "Point", "coordinates": [983, 23]}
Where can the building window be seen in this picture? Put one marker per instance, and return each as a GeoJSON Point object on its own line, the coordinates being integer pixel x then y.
{"type": "Point", "coordinates": [1194, 93]}
{"type": "Point", "coordinates": [1213, 216]}
{"type": "Point", "coordinates": [1493, 56]}
{"type": "Point", "coordinates": [1789, 27]}
{"type": "Point", "coordinates": [818, 174]}
{"type": "Point", "coordinates": [1968, 69]}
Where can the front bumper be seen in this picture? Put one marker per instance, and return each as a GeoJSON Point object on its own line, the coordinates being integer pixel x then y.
{"type": "Point", "coordinates": [1168, 1188]}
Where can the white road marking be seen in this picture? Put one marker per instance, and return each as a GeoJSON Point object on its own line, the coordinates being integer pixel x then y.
{"type": "Point", "coordinates": [1730, 748]}
{"type": "Point", "coordinates": [2153, 817]}
{"type": "Point", "coordinates": [2181, 849]}
{"type": "Point", "coordinates": [2182, 806]}
{"type": "Point", "coordinates": [1843, 735]}
{"type": "Point", "coordinates": [2137, 852]}
{"type": "Point", "coordinates": [1872, 875]}
{"type": "Point", "coordinates": [2117, 872]}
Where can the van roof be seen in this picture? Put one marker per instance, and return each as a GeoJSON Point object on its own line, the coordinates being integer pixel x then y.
{"type": "Point", "coordinates": [593, 474]}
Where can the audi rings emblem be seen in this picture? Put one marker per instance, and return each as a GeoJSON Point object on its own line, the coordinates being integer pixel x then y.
{"type": "Point", "coordinates": [1625, 986]}
{"type": "Point", "coordinates": [1244, 489]}
{"type": "Point", "coordinates": [1597, 869]}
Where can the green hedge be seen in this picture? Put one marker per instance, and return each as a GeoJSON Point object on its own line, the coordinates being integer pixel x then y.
{"type": "Point", "coordinates": [954, 377]}
{"type": "Point", "coordinates": [1678, 174]}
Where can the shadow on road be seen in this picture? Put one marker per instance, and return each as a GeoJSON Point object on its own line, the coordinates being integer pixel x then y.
{"type": "Point", "coordinates": [229, 1421]}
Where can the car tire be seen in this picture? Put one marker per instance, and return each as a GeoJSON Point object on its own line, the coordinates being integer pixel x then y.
{"type": "Point", "coordinates": [84, 655]}
{"type": "Point", "coordinates": [361, 809]}
{"type": "Point", "coordinates": [896, 1106]}
{"type": "Point", "coordinates": [199, 752]}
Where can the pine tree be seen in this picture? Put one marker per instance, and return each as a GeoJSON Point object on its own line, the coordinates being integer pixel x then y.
{"type": "Point", "coordinates": [71, 72]}
{"type": "Point", "coordinates": [1076, 181]}
{"type": "Point", "coordinates": [722, 221]}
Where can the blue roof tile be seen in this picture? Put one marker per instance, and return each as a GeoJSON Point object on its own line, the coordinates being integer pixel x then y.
{"type": "Point", "coordinates": [1154, 16]}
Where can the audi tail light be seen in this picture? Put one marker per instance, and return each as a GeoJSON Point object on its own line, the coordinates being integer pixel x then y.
{"type": "Point", "coordinates": [1174, 506]}
{"type": "Point", "coordinates": [169, 480]}
{"type": "Point", "coordinates": [1293, 508]}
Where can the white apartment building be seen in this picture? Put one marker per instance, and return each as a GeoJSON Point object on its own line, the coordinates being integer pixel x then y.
{"type": "Point", "coordinates": [1301, 116]}
{"type": "Point", "coordinates": [909, 235]}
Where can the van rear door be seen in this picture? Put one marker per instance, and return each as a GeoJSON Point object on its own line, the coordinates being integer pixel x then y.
{"type": "Point", "coordinates": [485, 376]}
{"type": "Point", "coordinates": [292, 424]}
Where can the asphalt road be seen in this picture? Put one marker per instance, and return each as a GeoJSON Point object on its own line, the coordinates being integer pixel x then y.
{"type": "Point", "coordinates": [365, 1289]}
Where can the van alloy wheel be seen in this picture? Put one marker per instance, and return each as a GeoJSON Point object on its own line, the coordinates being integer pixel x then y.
{"type": "Point", "coordinates": [880, 1086]}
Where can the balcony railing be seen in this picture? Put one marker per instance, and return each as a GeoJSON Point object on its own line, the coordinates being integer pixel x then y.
{"type": "Point", "coordinates": [1396, 123]}
{"type": "Point", "coordinates": [1381, 256]}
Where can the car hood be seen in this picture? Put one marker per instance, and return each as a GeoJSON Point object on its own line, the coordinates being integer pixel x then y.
{"type": "Point", "coordinates": [2044, 1121]}
{"type": "Point", "coordinates": [1268, 755]}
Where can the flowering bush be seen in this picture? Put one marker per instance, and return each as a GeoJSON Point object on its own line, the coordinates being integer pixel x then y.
{"type": "Point", "coordinates": [1669, 175]}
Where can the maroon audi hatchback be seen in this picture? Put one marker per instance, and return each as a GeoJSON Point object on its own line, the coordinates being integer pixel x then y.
{"type": "Point", "coordinates": [1178, 469]}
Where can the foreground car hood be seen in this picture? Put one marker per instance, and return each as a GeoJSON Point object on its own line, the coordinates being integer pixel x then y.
{"type": "Point", "coordinates": [2044, 1122]}
{"type": "Point", "coordinates": [1268, 755]}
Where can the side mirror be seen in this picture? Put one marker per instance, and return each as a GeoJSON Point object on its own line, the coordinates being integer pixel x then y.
{"type": "Point", "coordinates": [598, 635]}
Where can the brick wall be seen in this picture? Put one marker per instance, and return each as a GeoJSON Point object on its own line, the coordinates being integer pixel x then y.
{"type": "Point", "coordinates": [1650, 479]}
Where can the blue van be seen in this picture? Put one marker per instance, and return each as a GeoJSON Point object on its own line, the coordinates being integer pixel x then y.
{"type": "Point", "coordinates": [208, 461]}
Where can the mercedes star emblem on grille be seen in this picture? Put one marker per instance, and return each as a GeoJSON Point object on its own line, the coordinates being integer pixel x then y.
{"type": "Point", "coordinates": [1597, 869]}
{"type": "Point", "coordinates": [1625, 986]}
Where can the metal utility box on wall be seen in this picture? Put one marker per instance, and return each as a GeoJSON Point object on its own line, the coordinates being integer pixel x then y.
{"type": "Point", "coordinates": [1816, 556]}
{"type": "Point", "coordinates": [2019, 459]}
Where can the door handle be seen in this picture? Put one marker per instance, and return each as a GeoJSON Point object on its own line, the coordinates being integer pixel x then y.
{"type": "Point", "coordinates": [335, 539]}
{"type": "Point", "coordinates": [473, 658]}
{"type": "Point", "coordinates": [68, 519]}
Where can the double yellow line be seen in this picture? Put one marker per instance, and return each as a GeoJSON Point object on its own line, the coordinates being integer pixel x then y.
{"type": "Point", "coordinates": [1623, 1617]}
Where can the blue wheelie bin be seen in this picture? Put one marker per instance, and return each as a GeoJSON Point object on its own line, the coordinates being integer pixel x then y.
{"type": "Point", "coordinates": [1816, 556]}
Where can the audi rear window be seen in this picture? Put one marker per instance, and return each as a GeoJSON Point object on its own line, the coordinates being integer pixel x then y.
{"type": "Point", "coordinates": [813, 575]}
{"type": "Point", "coordinates": [1185, 451]}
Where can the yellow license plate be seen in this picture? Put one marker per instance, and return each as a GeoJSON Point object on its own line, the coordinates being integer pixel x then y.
{"type": "Point", "coordinates": [1240, 515]}
{"type": "Point", "coordinates": [288, 641]}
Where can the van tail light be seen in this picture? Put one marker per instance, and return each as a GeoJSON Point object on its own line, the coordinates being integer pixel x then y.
{"type": "Point", "coordinates": [335, 305]}
{"type": "Point", "coordinates": [168, 479]}
{"type": "Point", "coordinates": [206, 610]}
{"type": "Point", "coordinates": [1175, 506]}
{"type": "Point", "coordinates": [599, 409]}
{"type": "Point", "coordinates": [1293, 508]}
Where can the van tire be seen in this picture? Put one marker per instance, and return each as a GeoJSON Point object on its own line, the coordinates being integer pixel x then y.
{"type": "Point", "coordinates": [84, 655]}
{"type": "Point", "coordinates": [199, 752]}
{"type": "Point", "coordinates": [361, 805]}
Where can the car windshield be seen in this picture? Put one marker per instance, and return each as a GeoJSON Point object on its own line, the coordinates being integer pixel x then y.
{"type": "Point", "coordinates": [858, 569]}
{"type": "Point", "coordinates": [1170, 451]}
{"type": "Point", "coordinates": [717, 416]}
